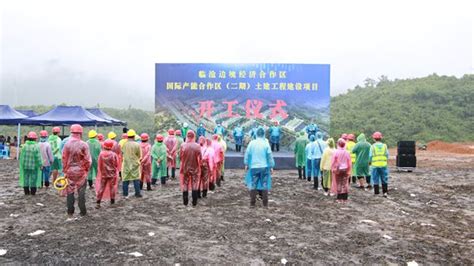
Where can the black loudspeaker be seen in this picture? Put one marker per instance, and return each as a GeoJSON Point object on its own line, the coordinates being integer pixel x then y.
{"type": "Point", "coordinates": [406, 160]}
{"type": "Point", "coordinates": [406, 143]}
{"type": "Point", "coordinates": [406, 150]}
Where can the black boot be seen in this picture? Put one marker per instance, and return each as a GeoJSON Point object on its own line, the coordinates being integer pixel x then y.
{"type": "Point", "coordinates": [273, 147]}
{"type": "Point", "coordinates": [259, 194]}
{"type": "Point", "coordinates": [265, 198]}
{"type": "Point", "coordinates": [153, 181]}
{"type": "Point", "coordinates": [212, 186]}
{"type": "Point", "coordinates": [195, 197]}
{"type": "Point", "coordinates": [173, 171]}
{"type": "Point", "coordinates": [141, 185]}
{"type": "Point", "coordinates": [354, 179]}
{"type": "Point", "coordinates": [315, 186]}
{"type": "Point", "coordinates": [218, 182]}
{"type": "Point", "coordinates": [185, 198]}
{"type": "Point", "coordinates": [385, 190]}
{"type": "Point", "coordinates": [204, 193]}
{"type": "Point", "coordinates": [163, 180]}
{"type": "Point", "coordinates": [367, 179]}
{"type": "Point", "coordinates": [112, 201]}
{"type": "Point", "coordinates": [376, 189]}
{"type": "Point", "coordinates": [300, 175]}
{"type": "Point", "coordinates": [90, 183]}
{"type": "Point", "coordinates": [167, 172]}
{"type": "Point", "coordinates": [253, 197]}
{"type": "Point", "coordinates": [26, 190]}
{"type": "Point", "coordinates": [148, 186]}
{"type": "Point", "coordinates": [33, 191]}
{"type": "Point", "coordinates": [199, 193]}
{"type": "Point", "coordinates": [304, 172]}
{"type": "Point", "coordinates": [222, 178]}
{"type": "Point", "coordinates": [278, 146]}
{"type": "Point", "coordinates": [46, 184]}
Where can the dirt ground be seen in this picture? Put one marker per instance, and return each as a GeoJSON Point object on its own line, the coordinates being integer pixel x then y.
{"type": "Point", "coordinates": [428, 218]}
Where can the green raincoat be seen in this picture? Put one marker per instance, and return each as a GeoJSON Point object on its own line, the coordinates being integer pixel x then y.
{"type": "Point", "coordinates": [30, 165]}
{"type": "Point", "coordinates": [131, 161]}
{"type": "Point", "coordinates": [55, 143]}
{"type": "Point", "coordinates": [94, 149]}
{"type": "Point", "coordinates": [362, 151]}
{"type": "Point", "coordinates": [179, 141]}
{"type": "Point", "coordinates": [300, 146]}
{"type": "Point", "coordinates": [158, 152]}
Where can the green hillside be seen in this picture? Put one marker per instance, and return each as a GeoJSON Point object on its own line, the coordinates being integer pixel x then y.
{"type": "Point", "coordinates": [421, 109]}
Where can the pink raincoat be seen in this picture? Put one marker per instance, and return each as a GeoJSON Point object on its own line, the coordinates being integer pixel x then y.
{"type": "Point", "coordinates": [106, 182]}
{"type": "Point", "coordinates": [218, 158]}
{"type": "Point", "coordinates": [170, 143]}
{"type": "Point", "coordinates": [341, 165]}
{"type": "Point", "coordinates": [190, 171]}
{"type": "Point", "coordinates": [116, 148]}
{"type": "Point", "coordinates": [76, 163]}
{"type": "Point", "coordinates": [207, 165]}
{"type": "Point", "coordinates": [145, 162]}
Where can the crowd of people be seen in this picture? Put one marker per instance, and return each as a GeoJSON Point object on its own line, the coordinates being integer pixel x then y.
{"type": "Point", "coordinates": [104, 162]}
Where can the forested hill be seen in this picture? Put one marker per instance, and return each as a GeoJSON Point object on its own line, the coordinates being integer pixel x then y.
{"type": "Point", "coordinates": [421, 109]}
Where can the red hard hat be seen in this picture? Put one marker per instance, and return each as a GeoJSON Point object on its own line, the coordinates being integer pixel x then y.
{"type": "Point", "coordinates": [124, 136]}
{"type": "Point", "coordinates": [170, 131]}
{"type": "Point", "coordinates": [100, 137]}
{"type": "Point", "coordinates": [351, 137]}
{"type": "Point", "coordinates": [109, 144]}
{"type": "Point", "coordinates": [344, 136]}
{"type": "Point", "coordinates": [177, 132]}
{"type": "Point", "coordinates": [377, 135]}
{"type": "Point", "coordinates": [76, 128]}
{"type": "Point", "coordinates": [56, 130]}
{"type": "Point", "coordinates": [32, 135]}
{"type": "Point", "coordinates": [144, 136]}
{"type": "Point", "coordinates": [159, 137]}
{"type": "Point", "coordinates": [43, 133]}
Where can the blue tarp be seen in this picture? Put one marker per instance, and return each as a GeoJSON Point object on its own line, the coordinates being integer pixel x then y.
{"type": "Point", "coordinates": [98, 112]}
{"type": "Point", "coordinates": [66, 115]}
{"type": "Point", "coordinates": [29, 113]}
{"type": "Point", "coordinates": [9, 116]}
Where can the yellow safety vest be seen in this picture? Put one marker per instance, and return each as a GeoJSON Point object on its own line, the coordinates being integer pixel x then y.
{"type": "Point", "coordinates": [379, 159]}
{"type": "Point", "coordinates": [350, 146]}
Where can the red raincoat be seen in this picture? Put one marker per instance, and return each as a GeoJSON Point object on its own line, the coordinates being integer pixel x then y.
{"type": "Point", "coordinates": [190, 171]}
{"type": "Point", "coordinates": [145, 162]}
{"type": "Point", "coordinates": [106, 182]}
{"type": "Point", "coordinates": [170, 143]}
{"type": "Point", "coordinates": [207, 166]}
{"type": "Point", "coordinates": [76, 163]}
{"type": "Point", "coordinates": [218, 160]}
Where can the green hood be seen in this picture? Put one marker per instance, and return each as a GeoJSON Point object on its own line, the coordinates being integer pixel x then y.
{"type": "Point", "coordinates": [361, 138]}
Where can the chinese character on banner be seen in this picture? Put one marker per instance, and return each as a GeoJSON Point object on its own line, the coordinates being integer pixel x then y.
{"type": "Point", "coordinates": [169, 85]}
{"type": "Point", "coordinates": [230, 104]}
{"type": "Point", "coordinates": [282, 74]}
{"type": "Point", "coordinates": [232, 74]}
{"type": "Point", "coordinates": [206, 109]}
{"type": "Point", "coordinates": [212, 74]}
{"type": "Point", "coordinates": [242, 74]}
{"type": "Point", "coordinates": [252, 74]}
{"type": "Point", "coordinates": [222, 74]}
{"type": "Point", "coordinates": [277, 110]}
{"type": "Point", "coordinates": [202, 74]}
{"type": "Point", "coordinates": [272, 74]}
{"type": "Point", "coordinates": [252, 109]}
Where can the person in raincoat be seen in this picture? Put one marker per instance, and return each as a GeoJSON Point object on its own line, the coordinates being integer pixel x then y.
{"type": "Point", "coordinates": [170, 143]}
{"type": "Point", "coordinates": [350, 143]}
{"type": "Point", "coordinates": [224, 150]}
{"type": "Point", "coordinates": [238, 134]}
{"type": "Point", "coordinates": [207, 165]}
{"type": "Point", "coordinates": [101, 139]}
{"type": "Point", "coordinates": [326, 165]}
{"type": "Point", "coordinates": [218, 160]}
{"type": "Point", "coordinates": [379, 158]}
{"type": "Point", "coordinates": [31, 163]}
{"type": "Point", "coordinates": [184, 129]}
{"type": "Point", "coordinates": [179, 142]}
{"type": "Point", "coordinates": [201, 131]}
{"type": "Point", "coordinates": [107, 174]}
{"type": "Point", "coordinates": [314, 152]}
{"type": "Point", "coordinates": [220, 130]}
{"type": "Point", "coordinates": [275, 135]}
{"type": "Point", "coordinates": [190, 172]}
{"type": "Point", "coordinates": [131, 164]}
{"type": "Point", "coordinates": [94, 149]}
{"type": "Point", "coordinates": [361, 166]}
{"type": "Point", "coordinates": [145, 162]}
{"type": "Point", "coordinates": [123, 140]}
{"type": "Point", "coordinates": [158, 153]}
{"type": "Point", "coordinates": [300, 154]}
{"type": "Point", "coordinates": [116, 148]}
{"type": "Point", "coordinates": [47, 156]}
{"type": "Point", "coordinates": [253, 131]}
{"type": "Point", "coordinates": [259, 165]}
{"type": "Point", "coordinates": [76, 161]}
{"type": "Point", "coordinates": [55, 143]}
{"type": "Point", "coordinates": [341, 171]}
{"type": "Point", "coordinates": [311, 130]}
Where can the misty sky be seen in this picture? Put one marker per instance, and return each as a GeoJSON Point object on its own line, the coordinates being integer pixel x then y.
{"type": "Point", "coordinates": [104, 51]}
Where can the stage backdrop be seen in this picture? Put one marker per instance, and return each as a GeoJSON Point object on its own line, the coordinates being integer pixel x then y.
{"type": "Point", "coordinates": [246, 94]}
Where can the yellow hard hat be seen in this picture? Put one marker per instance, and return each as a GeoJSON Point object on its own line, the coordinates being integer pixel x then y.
{"type": "Point", "coordinates": [131, 133]}
{"type": "Point", "coordinates": [92, 134]}
{"type": "Point", "coordinates": [111, 135]}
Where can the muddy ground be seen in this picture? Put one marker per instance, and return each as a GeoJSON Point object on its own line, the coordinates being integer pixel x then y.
{"type": "Point", "coordinates": [428, 218]}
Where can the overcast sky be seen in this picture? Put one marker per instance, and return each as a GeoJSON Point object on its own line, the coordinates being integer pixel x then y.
{"type": "Point", "coordinates": [108, 48]}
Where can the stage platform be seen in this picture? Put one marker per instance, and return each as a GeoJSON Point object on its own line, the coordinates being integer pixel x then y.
{"type": "Point", "coordinates": [283, 160]}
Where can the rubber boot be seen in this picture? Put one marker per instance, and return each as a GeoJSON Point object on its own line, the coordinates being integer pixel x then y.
{"type": "Point", "coordinates": [260, 194]}
{"type": "Point", "coordinates": [195, 197]}
{"type": "Point", "coordinates": [163, 180]}
{"type": "Point", "coordinates": [173, 171]}
{"type": "Point", "coordinates": [26, 190]}
{"type": "Point", "coordinates": [212, 187]}
{"type": "Point", "coordinates": [385, 190]}
{"type": "Point", "coordinates": [265, 198]}
{"type": "Point", "coordinates": [278, 146]}
{"type": "Point", "coordinates": [112, 201]}
{"type": "Point", "coordinates": [304, 172]}
{"type": "Point", "coordinates": [141, 185]}
{"type": "Point", "coordinates": [354, 179]}
{"type": "Point", "coordinates": [273, 147]}
{"type": "Point", "coordinates": [46, 184]}
{"type": "Point", "coordinates": [167, 172]}
{"type": "Point", "coordinates": [97, 204]}
{"type": "Point", "coordinates": [218, 182]}
{"type": "Point", "coordinates": [148, 186]}
{"type": "Point", "coordinates": [253, 197]}
{"type": "Point", "coordinates": [90, 184]}
{"type": "Point", "coordinates": [185, 198]}
{"type": "Point", "coordinates": [204, 193]}
{"type": "Point", "coordinates": [299, 173]}
{"type": "Point", "coordinates": [153, 181]}
{"type": "Point", "coordinates": [367, 179]}
{"type": "Point", "coordinates": [315, 186]}
{"type": "Point", "coordinates": [33, 191]}
{"type": "Point", "coordinates": [376, 189]}
{"type": "Point", "coordinates": [199, 193]}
